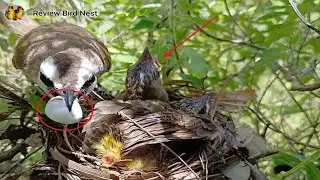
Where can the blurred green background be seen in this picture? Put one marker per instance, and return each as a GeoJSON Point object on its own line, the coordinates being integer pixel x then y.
{"type": "Point", "coordinates": [255, 44]}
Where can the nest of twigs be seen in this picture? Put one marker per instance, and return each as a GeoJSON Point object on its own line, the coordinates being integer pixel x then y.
{"type": "Point", "coordinates": [169, 143]}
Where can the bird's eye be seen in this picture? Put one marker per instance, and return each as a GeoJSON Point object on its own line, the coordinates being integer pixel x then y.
{"type": "Point", "coordinates": [46, 81]}
{"type": "Point", "coordinates": [88, 83]}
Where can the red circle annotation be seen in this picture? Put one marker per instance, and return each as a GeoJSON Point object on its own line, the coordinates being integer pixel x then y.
{"type": "Point", "coordinates": [65, 129]}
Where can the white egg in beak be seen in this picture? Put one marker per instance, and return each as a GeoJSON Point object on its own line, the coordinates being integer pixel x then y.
{"type": "Point", "coordinates": [60, 110]}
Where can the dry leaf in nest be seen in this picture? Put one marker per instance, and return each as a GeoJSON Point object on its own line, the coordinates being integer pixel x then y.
{"type": "Point", "coordinates": [243, 170]}
{"type": "Point", "coordinates": [234, 101]}
{"type": "Point", "coordinates": [34, 140]}
{"type": "Point", "coordinates": [238, 171]}
{"type": "Point", "coordinates": [184, 132]}
{"type": "Point", "coordinates": [246, 137]}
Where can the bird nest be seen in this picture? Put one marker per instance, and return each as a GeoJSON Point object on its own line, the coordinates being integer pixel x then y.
{"type": "Point", "coordinates": [152, 140]}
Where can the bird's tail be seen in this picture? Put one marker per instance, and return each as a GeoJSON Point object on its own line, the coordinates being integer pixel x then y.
{"type": "Point", "coordinates": [19, 27]}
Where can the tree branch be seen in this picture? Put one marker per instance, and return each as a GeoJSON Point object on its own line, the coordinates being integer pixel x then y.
{"type": "Point", "coordinates": [269, 153]}
{"type": "Point", "coordinates": [304, 21]}
{"type": "Point", "coordinates": [310, 87]}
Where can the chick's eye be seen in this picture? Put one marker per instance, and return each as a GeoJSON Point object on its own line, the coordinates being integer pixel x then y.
{"type": "Point", "coordinates": [46, 81]}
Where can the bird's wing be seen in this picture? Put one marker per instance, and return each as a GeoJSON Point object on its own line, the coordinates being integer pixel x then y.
{"type": "Point", "coordinates": [48, 40]}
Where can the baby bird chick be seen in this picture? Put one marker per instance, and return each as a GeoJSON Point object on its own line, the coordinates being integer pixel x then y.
{"type": "Point", "coordinates": [10, 14]}
{"type": "Point", "coordinates": [196, 105]}
{"type": "Point", "coordinates": [18, 13]}
{"type": "Point", "coordinates": [144, 80]}
{"type": "Point", "coordinates": [107, 145]}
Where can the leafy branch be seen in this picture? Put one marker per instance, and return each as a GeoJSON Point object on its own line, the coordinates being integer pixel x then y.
{"type": "Point", "coordinates": [304, 21]}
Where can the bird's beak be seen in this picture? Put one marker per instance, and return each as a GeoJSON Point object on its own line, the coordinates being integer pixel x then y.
{"type": "Point", "coordinates": [69, 98]}
{"type": "Point", "coordinates": [145, 57]}
{"type": "Point", "coordinates": [156, 61]}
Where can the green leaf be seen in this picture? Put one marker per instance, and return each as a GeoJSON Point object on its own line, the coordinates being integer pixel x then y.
{"type": "Point", "coordinates": [277, 32]}
{"type": "Point", "coordinates": [104, 27]}
{"type": "Point", "coordinates": [196, 82]}
{"type": "Point", "coordinates": [268, 57]}
{"type": "Point", "coordinates": [303, 164]}
{"type": "Point", "coordinates": [315, 43]}
{"type": "Point", "coordinates": [197, 65]}
{"type": "Point", "coordinates": [312, 172]}
{"type": "Point", "coordinates": [151, 6]}
{"type": "Point", "coordinates": [143, 24]}
{"type": "Point", "coordinates": [4, 107]}
{"type": "Point", "coordinates": [212, 26]}
{"type": "Point", "coordinates": [147, 9]}
{"type": "Point", "coordinates": [12, 39]}
{"type": "Point", "coordinates": [285, 159]}
{"type": "Point", "coordinates": [158, 49]}
{"type": "Point", "coordinates": [124, 58]}
{"type": "Point", "coordinates": [33, 100]}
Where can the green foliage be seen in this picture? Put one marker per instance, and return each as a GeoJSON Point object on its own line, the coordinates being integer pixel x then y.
{"type": "Point", "coordinates": [305, 164]}
{"type": "Point", "coordinates": [268, 57]}
{"type": "Point", "coordinates": [33, 99]}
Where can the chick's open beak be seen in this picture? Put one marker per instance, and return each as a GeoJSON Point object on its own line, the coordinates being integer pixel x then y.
{"type": "Point", "coordinates": [156, 62]}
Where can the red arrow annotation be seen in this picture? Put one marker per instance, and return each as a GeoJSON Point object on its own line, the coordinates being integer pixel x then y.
{"type": "Point", "coordinates": [168, 53]}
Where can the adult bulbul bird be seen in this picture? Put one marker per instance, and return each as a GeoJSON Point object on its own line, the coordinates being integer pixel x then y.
{"type": "Point", "coordinates": [61, 56]}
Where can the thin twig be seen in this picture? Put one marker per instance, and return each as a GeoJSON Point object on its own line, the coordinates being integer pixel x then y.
{"type": "Point", "coordinates": [78, 154]}
{"type": "Point", "coordinates": [59, 172]}
{"type": "Point", "coordinates": [65, 136]}
{"type": "Point", "coordinates": [240, 42]}
{"type": "Point", "coordinates": [260, 156]}
{"type": "Point", "coordinates": [174, 36]}
{"type": "Point", "coordinates": [304, 21]}
{"type": "Point", "coordinates": [263, 134]}
{"type": "Point", "coordinates": [265, 91]}
{"type": "Point", "coordinates": [301, 46]}
{"type": "Point", "coordinates": [168, 148]}
{"type": "Point", "coordinates": [294, 99]}
{"type": "Point", "coordinates": [235, 22]}
{"type": "Point", "coordinates": [264, 120]}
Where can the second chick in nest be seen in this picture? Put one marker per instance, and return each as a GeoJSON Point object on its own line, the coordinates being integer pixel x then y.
{"type": "Point", "coordinates": [144, 79]}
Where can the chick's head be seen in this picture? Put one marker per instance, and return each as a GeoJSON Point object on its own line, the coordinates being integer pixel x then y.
{"type": "Point", "coordinates": [146, 73]}
{"type": "Point", "coordinates": [109, 148]}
